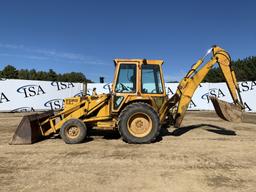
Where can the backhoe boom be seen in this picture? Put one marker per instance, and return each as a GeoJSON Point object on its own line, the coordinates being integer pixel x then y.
{"type": "Point", "coordinates": [196, 75]}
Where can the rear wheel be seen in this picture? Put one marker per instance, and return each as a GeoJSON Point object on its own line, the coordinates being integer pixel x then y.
{"type": "Point", "coordinates": [73, 131]}
{"type": "Point", "coordinates": [138, 123]}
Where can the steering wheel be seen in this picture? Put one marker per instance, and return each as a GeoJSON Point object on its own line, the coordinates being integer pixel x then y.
{"type": "Point", "coordinates": [153, 91]}
{"type": "Point", "coordinates": [122, 87]}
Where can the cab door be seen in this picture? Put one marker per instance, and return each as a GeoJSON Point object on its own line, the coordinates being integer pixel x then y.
{"type": "Point", "coordinates": [152, 84]}
{"type": "Point", "coordinates": [125, 83]}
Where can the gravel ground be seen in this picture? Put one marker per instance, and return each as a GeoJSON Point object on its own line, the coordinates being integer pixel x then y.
{"type": "Point", "coordinates": [207, 154]}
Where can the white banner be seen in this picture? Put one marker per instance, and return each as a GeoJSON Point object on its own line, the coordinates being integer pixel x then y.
{"type": "Point", "coordinates": [200, 99]}
{"type": "Point", "coordinates": [25, 95]}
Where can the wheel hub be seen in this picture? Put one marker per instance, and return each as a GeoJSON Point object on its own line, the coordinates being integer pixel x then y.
{"type": "Point", "coordinates": [139, 125]}
{"type": "Point", "coordinates": [73, 132]}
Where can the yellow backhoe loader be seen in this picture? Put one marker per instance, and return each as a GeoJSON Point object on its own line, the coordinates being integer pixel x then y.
{"type": "Point", "coordinates": [137, 104]}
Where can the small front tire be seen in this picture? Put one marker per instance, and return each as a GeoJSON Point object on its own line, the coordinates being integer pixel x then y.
{"type": "Point", "coordinates": [73, 131]}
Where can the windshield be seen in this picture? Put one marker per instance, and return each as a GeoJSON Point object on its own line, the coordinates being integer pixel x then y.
{"type": "Point", "coordinates": [126, 81]}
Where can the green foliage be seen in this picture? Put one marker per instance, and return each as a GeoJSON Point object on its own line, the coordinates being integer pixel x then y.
{"type": "Point", "coordinates": [245, 70]}
{"type": "Point", "coordinates": [75, 76]}
{"type": "Point", "coordinates": [23, 74]}
{"type": "Point", "coordinates": [10, 72]}
{"type": "Point", "coordinates": [52, 75]}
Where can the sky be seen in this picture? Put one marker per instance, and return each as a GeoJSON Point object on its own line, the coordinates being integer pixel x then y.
{"type": "Point", "coordinates": [86, 35]}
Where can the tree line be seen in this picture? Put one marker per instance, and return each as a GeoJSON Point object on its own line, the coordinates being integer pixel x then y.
{"type": "Point", "coordinates": [10, 72]}
{"type": "Point", "coordinates": [245, 70]}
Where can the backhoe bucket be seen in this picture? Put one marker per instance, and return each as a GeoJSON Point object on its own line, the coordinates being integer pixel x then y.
{"type": "Point", "coordinates": [29, 129]}
{"type": "Point", "coordinates": [227, 111]}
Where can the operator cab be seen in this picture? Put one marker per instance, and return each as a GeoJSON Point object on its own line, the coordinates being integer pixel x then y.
{"type": "Point", "coordinates": [136, 80]}
{"type": "Point", "coordinates": [138, 76]}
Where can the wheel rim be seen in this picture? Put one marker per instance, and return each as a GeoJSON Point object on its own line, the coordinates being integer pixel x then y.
{"type": "Point", "coordinates": [139, 124]}
{"type": "Point", "coordinates": [72, 132]}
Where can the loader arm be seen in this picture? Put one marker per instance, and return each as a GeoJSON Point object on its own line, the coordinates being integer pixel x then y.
{"type": "Point", "coordinates": [196, 75]}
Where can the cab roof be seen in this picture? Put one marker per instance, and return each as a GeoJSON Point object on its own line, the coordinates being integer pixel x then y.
{"type": "Point", "coordinates": [144, 61]}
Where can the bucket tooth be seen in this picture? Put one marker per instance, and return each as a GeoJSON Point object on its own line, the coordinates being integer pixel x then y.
{"type": "Point", "coordinates": [227, 111]}
{"type": "Point", "coordinates": [28, 131]}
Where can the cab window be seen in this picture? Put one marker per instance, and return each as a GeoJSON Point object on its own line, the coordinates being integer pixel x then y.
{"type": "Point", "coordinates": [126, 81]}
{"type": "Point", "coordinates": [151, 79]}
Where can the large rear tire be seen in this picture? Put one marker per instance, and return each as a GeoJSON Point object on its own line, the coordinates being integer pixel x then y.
{"type": "Point", "coordinates": [73, 131]}
{"type": "Point", "coordinates": [139, 123]}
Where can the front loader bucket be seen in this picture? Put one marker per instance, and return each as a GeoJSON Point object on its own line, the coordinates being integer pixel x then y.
{"type": "Point", "coordinates": [29, 131]}
{"type": "Point", "coordinates": [227, 111]}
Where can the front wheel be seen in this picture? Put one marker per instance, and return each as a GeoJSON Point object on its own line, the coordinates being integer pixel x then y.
{"type": "Point", "coordinates": [73, 131]}
{"type": "Point", "coordinates": [139, 123]}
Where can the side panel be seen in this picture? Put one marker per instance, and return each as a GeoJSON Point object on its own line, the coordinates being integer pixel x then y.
{"type": "Point", "coordinates": [105, 110]}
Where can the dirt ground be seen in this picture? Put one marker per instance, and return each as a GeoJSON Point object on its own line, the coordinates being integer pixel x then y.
{"type": "Point", "coordinates": [208, 154]}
